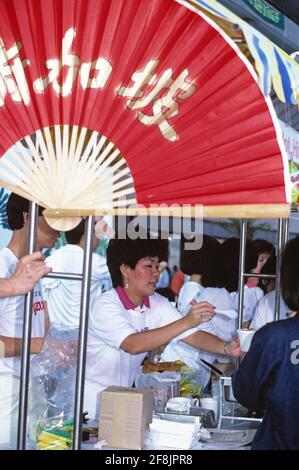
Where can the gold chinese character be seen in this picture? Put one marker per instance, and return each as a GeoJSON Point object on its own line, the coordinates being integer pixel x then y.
{"type": "Point", "coordinates": [103, 68]}
{"type": "Point", "coordinates": [12, 75]}
{"type": "Point", "coordinates": [55, 66]}
{"type": "Point", "coordinates": [164, 96]}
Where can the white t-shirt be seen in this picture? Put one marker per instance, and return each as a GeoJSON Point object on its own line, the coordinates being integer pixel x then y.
{"type": "Point", "coordinates": [220, 326]}
{"type": "Point", "coordinates": [264, 312]}
{"type": "Point", "coordinates": [12, 313]}
{"type": "Point", "coordinates": [251, 297]}
{"type": "Point", "coordinates": [113, 319]}
{"type": "Point", "coordinates": [63, 296]}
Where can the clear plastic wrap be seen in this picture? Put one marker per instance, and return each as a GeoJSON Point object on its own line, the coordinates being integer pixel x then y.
{"type": "Point", "coordinates": [165, 386]}
{"type": "Point", "coordinates": [53, 375]}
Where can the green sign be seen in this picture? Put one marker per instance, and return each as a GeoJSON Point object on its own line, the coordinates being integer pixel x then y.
{"type": "Point", "coordinates": [268, 13]}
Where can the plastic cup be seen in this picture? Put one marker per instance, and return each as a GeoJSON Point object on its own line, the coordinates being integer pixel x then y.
{"type": "Point", "coordinates": [245, 337]}
{"type": "Point", "coordinates": [210, 403]}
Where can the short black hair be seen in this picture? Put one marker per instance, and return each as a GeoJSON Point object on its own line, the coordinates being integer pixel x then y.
{"type": "Point", "coordinates": [16, 206]}
{"type": "Point", "coordinates": [129, 252]}
{"type": "Point", "coordinates": [263, 246]}
{"type": "Point", "coordinates": [289, 280]}
{"type": "Point", "coordinates": [268, 268]}
{"type": "Point", "coordinates": [229, 262]}
{"type": "Point", "coordinates": [202, 261]}
{"type": "Point", "coordinates": [74, 236]}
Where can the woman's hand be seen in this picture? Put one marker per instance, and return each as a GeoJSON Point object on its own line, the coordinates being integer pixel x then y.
{"type": "Point", "coordinates": [200, 312]}
{"type": "Point", "coordinates": [28, 272]}
{"type": "Point", "coordinates": [233, 348]}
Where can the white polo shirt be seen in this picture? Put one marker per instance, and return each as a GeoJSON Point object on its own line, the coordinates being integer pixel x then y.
{"type": "Point", "coordinates": [12, 313]}
{"type": "Point", "coordinates": [112, 320]}
{"type": "Point", "coordinates": [63, 296]}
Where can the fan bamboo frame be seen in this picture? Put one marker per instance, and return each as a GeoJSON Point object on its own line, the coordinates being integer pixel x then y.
{"type": "Point", "coordinates": [70, 167]}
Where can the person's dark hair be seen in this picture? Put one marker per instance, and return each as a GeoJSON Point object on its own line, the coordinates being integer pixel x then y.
{"type": "Point", "coordinates": [129, 252]}
{"type": "Point", "coordinates": [268, 268]}
{"type": "Point", "coordinates": [229, 262]}
{"type": "Point", "coordinates": [74, 236]}
{"type": "Point", "coordinates": [202, 261]}
{"type": "Point", "coordinates": [16, 206]}
{"type": "Point", "coordinates": [263, 246]}
{"type": "Point", "coordinates": [289, 280]}
{"type": "Point", "coordinates": [166, 292]}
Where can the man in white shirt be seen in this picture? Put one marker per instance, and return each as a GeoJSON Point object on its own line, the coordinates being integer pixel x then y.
{"type": "Point", "coordinates": [12, 311]}
{"type": "Point", "coordinates": [63, 296]}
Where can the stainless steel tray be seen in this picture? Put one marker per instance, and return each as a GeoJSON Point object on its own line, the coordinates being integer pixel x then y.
{"type": "Point", "coordinates": [228, 437]}
{"type": "Point", "coordinates": [196, 415]}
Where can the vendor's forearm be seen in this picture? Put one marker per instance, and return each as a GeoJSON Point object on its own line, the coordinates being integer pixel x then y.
{"type": "Point", "coordinates": [206, 342]}
{"type": "Point", "coordinates": [147, 340]}
{"type": "Point", "coordinates": [11, 347]}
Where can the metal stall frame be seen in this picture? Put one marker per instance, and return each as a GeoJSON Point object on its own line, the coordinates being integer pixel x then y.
{"type": "Point", "coordinates": [83, 328]}
{"type": "Point", "coordinates": [283, 225]}
{"type": "Point", "coordinates": [283, 233]}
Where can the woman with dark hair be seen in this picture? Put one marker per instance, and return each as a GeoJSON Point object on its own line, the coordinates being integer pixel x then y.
{"type": "Point", "coordinates": [268, 378]}
{"type": "Point", "coordinates": [229, 275]}
{"type": "Point", "coordinates": [265, 309]}
{"type": "Point", "coordinates": [131, 320]}
{"type": "Point", "coordinates": [264, 250]}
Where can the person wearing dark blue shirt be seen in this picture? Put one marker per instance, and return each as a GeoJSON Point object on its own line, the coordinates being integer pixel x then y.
{"type": "Point", "coordinates": [268, 378]}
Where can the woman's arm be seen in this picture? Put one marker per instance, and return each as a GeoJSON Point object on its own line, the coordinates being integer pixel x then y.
{"type": "Point", "coordinates": [47, 318]}
{"type": "Point", "coordinates": [210, 343]}
{"type": "Point", "coordinates": [11, 347]}
{"type": "Point", "coordinates": [147, 340]}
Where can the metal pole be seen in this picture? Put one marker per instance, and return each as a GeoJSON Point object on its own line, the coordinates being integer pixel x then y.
{"type": "Point", "coordinates": [280, 233]}
{"type": "Point", "coordinates": [25, 358]}
{"type": "Point", "coordinates": [80, 376]}
{"type": "Point", "coordinates": [58, 275]}
{"type": "Point", "coordinates": [286, 231]}
{"type": "Point", "coordinates": [242, 258]}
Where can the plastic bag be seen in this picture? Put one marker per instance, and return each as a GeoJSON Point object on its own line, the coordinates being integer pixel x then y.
{"type": "Point", "coordinates": [164, 384]}
{"type": "Point", "coordinates": [52, 396]}
{"type": "Point", "coordinates": [190, 385]}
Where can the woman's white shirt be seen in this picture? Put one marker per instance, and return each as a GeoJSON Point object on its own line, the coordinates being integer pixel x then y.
{"type": "Point", "coordinates": [111, 322]}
